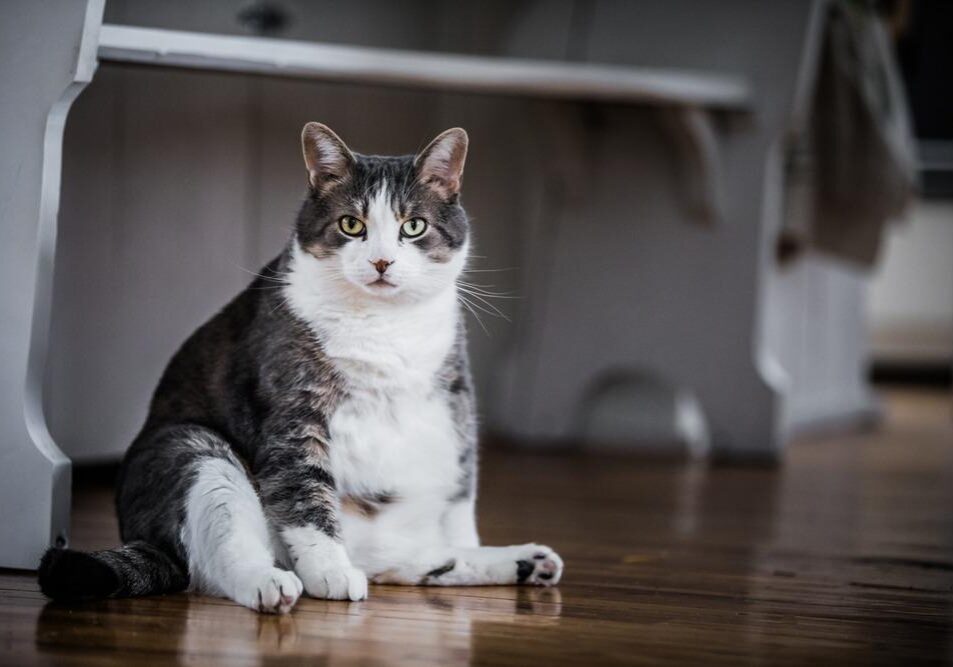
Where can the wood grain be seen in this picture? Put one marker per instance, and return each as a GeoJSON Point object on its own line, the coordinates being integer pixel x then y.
{"type": "Point", "coordinates": [842, 556]}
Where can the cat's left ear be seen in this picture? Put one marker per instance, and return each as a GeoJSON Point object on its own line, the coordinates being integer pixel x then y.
{"type": "Point", "coordinates": [440, 164]}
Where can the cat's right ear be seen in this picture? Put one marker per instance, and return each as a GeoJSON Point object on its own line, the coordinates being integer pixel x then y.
{"type": "Point", "coordinates": [327, 158]}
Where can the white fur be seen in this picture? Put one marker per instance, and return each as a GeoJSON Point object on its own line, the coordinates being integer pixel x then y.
{"type": "Point", "coordinates": [323, 565]}
{"type": "Point", "coordinates": [459, 524]}
{"type": "Point", "coordinates": [229, 548]}
{"type": "Point", "coordinates": [480, 566]}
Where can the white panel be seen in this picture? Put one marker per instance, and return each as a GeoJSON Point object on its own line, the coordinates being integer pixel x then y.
{"type": "Point", "coordinates": [442, 71]}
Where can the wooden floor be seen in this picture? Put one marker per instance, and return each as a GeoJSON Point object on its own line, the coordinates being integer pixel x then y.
{"type": "Point", "coordinates": [842, 556]}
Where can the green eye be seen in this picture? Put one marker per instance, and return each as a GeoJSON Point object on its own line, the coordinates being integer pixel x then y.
{"type": "Point", "coordinates": [351, 226]}
{"type": "Point", "coordinates": [413, 227]}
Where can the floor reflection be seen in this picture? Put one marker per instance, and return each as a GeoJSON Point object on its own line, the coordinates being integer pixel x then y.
{"type": "Point", "coordinates": [840, 555]}
{"type": "Point", "coordinates": [397, 626]}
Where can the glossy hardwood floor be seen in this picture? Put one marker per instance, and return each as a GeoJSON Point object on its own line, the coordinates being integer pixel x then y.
{"type": "Point", "coordinates": [842, 556]}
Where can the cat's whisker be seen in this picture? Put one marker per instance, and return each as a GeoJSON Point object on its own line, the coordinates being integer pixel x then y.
{"type": "Point", "coordinates": [480, 299]}
{"type": "Point", "coordinates": [466, 304]}
{"type": "Point", "coordinates": [255, 273]}
{"type": "Point", "coordinates": [510, 268]}
{"type": "Point", "coordinates": [485, 305]}
{"type": "Point", "coordinates": [475, 284]}
{"type": "Point", "coordinates": [491, 295]}
{"type": "Point", "coordinates": [282, 300]}
{"type": "Point", "coordinates": [482, 307]}
{"type": "Point", "coordinates": [278, 277]}
{"type": "Point", "coordinates": [492, 312]}
{"type": "Point", "coordinates": [485, 290]}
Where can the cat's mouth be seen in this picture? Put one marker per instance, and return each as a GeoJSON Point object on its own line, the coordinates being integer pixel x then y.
{"type": "Point", "coordinates": [381, 283]}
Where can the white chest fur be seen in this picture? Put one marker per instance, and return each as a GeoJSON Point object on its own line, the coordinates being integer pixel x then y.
{"type": "Point", "coordinates": [393, 433]}
{"type": "Point", "coordinates": [401, 445]}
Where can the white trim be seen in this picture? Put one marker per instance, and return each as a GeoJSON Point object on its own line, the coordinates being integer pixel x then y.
{"type": "Point", "coordinates": [352, 64]}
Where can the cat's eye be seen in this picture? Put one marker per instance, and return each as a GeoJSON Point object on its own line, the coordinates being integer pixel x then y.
{"type": "Point", "coordinates": [351, 226]}
{"type": "Point", "coordinates": [413, 227]}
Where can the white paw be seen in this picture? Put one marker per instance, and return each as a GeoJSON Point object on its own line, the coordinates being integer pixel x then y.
{"type": "Point", "coordinates": [273, 591]}
{"type": "Point", "coordinates": [335, 582]}
{"type": "Point", "coordinates": [538, 565]}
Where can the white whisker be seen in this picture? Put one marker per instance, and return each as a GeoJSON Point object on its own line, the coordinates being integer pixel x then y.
{"type": "Point", "coordinates": [485, 290]}
{"type": "Point", "coordinates": [275, 278]}
{"type": "Point", "coordinates": [466, 304]}
{"type": "Point", "coordinates": [511, 268]}
{"type": "Point", "coordinates": [480, 299]}
{"type": "Point", "coordinates": [484, 305]}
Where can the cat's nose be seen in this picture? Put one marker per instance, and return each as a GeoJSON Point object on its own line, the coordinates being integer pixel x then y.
{"type": "Point", "coordinates": [381, 265]}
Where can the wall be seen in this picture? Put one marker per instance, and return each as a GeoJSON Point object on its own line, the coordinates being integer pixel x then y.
{"type": "Point", "coordinates": [911, 295]}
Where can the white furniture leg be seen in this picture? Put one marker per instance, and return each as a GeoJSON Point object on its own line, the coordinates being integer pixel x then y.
{"type": "Point", "coordinates": [47, 56]}
{"type": "Point", "coordinates": [634, 291]}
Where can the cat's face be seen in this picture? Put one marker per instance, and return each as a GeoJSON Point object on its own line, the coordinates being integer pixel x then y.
{"type": "Point", "coordinates": [384, 227]}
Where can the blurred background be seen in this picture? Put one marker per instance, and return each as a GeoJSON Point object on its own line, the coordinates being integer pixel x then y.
{"type": "Point", "coordinates": [696, 273]}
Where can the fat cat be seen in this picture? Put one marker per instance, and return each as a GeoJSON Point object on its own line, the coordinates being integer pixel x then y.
{"type": "Point", "coordinates": [319, 432]}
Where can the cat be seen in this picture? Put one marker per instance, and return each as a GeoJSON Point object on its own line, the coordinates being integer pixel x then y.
{"type": "Point", "coordinates": [320, 430]}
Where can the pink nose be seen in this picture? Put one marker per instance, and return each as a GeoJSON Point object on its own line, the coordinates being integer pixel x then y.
{"type": "Point", "coordinates": [381, 265]}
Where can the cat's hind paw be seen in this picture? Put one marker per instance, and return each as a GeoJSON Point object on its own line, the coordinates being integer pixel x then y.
{"type": "Point", "coordinates": [539, 566]}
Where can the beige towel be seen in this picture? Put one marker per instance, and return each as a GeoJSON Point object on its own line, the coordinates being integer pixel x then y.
{"type": "Point", "coordinates": [864, 172]}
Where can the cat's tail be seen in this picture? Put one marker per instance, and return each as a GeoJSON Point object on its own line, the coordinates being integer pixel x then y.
{"type": "Point", "coordinates": [136, 568]}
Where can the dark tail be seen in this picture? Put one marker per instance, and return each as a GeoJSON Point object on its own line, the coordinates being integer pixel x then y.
{"type": "Point", "coordinates": [137, 568]}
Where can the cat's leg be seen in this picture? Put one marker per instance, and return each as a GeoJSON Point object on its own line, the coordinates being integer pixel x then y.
{"type": "Point", "coordinates": [531, 564]}
{"type": "Point", "coordinates": [226, 537]}
{"type": "Point", "coordinates": [459, 523]}
{"type": "Point", "coordinates": [427, 541]}
{"type": "Point", "coordinates": [299, 496]}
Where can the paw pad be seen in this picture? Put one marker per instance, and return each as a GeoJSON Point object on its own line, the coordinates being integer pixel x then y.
{"type": "Point", "coordinates": [544, 567]}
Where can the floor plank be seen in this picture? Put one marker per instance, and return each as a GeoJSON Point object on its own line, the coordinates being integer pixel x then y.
{"type": "Point", "coordinates": [843, 555]}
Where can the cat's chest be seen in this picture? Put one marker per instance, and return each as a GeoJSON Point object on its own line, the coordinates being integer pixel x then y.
{"type": "Point", "coordinates": [394, 432]}
{"type": "Point", "coordinates": [402, 444]}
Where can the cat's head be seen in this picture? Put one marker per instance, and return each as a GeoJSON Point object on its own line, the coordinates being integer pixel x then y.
{"type": "Point", "coordinates": [387, 228]}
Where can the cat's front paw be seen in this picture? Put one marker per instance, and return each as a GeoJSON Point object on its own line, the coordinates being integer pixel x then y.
{"type": "Point", "coordinates": [538, 566]}
{"type": "Point", "coordinates": [271, 591]}
{"type": "Point", "coordinates": [334, 582]}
